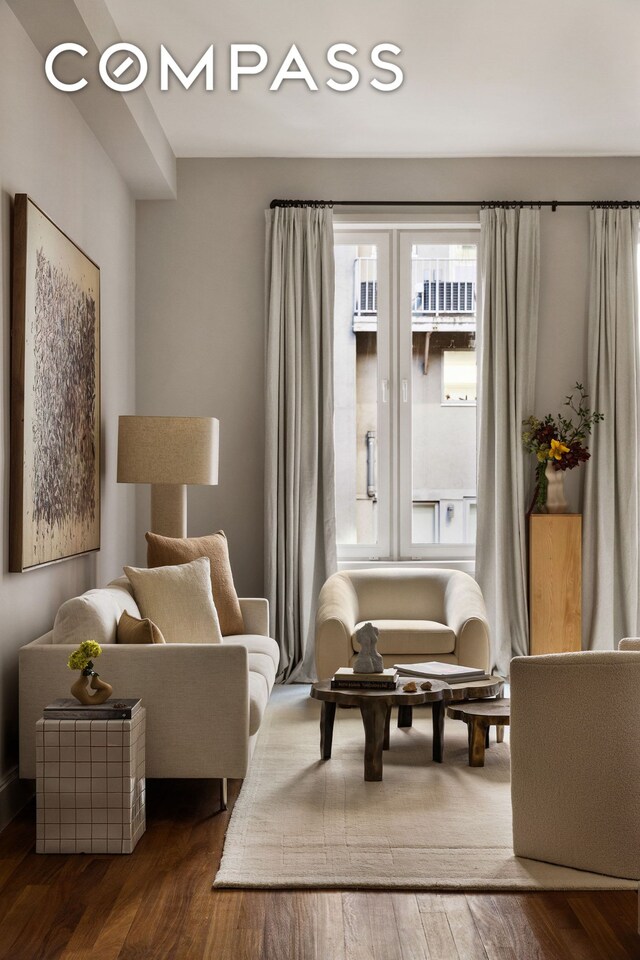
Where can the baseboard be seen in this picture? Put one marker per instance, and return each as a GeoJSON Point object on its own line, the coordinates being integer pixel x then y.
{"type": "Point", "coordinates": [14, 794]}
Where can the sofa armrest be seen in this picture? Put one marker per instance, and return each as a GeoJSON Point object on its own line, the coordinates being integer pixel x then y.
{"type": "Point", "coordinates": [196, 697]}
{"type": "Point", "coordinates": [255, 613]}
{"type": "Point", "coordinates": [336, 618]}
{"type": "Point", "coordinates": [466, 614]}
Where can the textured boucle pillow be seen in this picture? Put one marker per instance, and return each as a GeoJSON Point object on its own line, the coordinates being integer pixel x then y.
{"type": "Point", "coordinates": [171, 550]}
{"type": "Point", "coordinates": [132, 630]}
{"type": "Point", "coordinates": [179, 601]}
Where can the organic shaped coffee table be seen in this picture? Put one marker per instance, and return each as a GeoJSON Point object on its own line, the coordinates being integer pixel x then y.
{"type": "Point", "coordinates": [375, 707]}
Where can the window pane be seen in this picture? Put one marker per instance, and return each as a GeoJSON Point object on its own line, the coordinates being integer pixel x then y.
{"type": "Point", "coordinates": [356, 393]}
{"type": "Point", "coordinates": [443, 372]}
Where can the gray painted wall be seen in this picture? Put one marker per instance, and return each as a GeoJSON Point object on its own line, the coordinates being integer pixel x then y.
{"type": "Point", "coordinates": [200, 311]}
{"type": "Point", "coordinates": [47, 151]}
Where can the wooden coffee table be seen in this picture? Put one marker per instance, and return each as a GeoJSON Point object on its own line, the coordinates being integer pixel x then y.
{"type": "Point", "coordinates": [479, 716]}
{"type": "Point", "coordinates": [455, 692]}
{"type": "Point", "coordinates": [375, 707]}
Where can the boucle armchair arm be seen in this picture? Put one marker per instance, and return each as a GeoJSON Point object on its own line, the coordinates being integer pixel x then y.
{"type": "Point", "coordinates": [255, 613]}
{"type": "Point", "coordinates": [466, 614]}
{"type": "Point", "coordinates": [575, 760]}
{"type": "Point", "coordinates": [629, 643]}
{"type": "Point", "coordinates": [336, 619]}
{"type": "Point", "coordinates": [197, 693]}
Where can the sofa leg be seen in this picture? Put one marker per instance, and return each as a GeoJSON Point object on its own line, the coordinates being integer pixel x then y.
{"type": "Point", "coordinates": [223, 794]}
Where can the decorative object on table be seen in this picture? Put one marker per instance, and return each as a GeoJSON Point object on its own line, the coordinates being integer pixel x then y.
{"type": "Point", "coordinates": [92, 799]}
{"type": "Point", "coordinates": [82, 659]}
{"type": "Point", "coordinates": [559, 444]}
{"type": "Point", "coordinates": [411, 687]}
{"type": "Point", "coordinates": [436, 670]}
{"type": "Point", "coordinates": [345, 678]}
{"type": "Point", "coordinates": [55, 394]}
{"type": "Point", "coordinates": [168, 453]}
{"type": "Point", "coordinates": [426, 685]}
{"type": "Point", "coordinates": [368, 659]}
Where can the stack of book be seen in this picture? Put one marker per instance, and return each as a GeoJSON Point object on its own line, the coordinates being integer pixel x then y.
{"type": "Point", "coordinates": [434, 670]}
{"type": "Point", "coordinates": [346, 679]}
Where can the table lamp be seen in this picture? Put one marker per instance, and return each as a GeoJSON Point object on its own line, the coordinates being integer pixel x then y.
{"type": "Point", "coordinates": [168, 453]}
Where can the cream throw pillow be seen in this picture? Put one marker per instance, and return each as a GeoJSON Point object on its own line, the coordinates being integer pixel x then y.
{"type": "Point", "coordinates": [179, 601]}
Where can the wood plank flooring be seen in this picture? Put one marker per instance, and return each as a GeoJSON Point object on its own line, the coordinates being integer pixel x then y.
{"type": "Point", "coordinates": [158, 904]}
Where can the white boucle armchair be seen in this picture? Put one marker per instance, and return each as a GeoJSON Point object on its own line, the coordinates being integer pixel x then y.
{"type": "Point", "coordinates": [575, 759]}
{"type": "Point", "coordinates": [421, 614]}
{"type": "Point", "coordinates": [204, 702]}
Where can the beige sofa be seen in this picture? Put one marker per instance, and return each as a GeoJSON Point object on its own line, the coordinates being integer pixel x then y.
{"type": "Point", "coordinates": [421, 614]}
{"type": "Point", "coordinates": [575, 759]}
{"type": "Point", "coordinates": [204, 702]}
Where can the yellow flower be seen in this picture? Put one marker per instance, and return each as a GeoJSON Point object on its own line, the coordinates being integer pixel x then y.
{"type": "Point", "coordinates": [557, 449]}
{"type": "Point", "coordinates": [543, 454]}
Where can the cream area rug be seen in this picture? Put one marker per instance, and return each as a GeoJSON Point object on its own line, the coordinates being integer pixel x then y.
{"type": "Point", "coordinates": [302, 822]}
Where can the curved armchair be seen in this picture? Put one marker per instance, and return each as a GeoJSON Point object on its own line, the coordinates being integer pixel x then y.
{"type": "Point", "coordinates": [421, 614]}
{"type": "Point", "coordinates": [575, 759]}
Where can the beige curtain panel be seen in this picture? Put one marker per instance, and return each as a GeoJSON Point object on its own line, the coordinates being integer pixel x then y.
{"type": "Point", "coordinates": [508, 339]}
{"type": "Point", "coordinates": [300, 527]}
{"type": "Point", "coordinates": [611, 511]}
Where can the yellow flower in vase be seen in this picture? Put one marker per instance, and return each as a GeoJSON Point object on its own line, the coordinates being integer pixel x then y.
{"type": "Point", "coordinates": [557, 449]}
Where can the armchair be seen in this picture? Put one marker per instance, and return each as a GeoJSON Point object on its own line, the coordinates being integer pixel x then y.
{"type": "Point", "coordinates": [575, 759]}
{"type": "Point", "coordinates": [421, 614]}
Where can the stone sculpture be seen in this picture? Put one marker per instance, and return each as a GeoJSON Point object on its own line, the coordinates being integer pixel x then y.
{"type": "Point", "coordinates": [368, 660]}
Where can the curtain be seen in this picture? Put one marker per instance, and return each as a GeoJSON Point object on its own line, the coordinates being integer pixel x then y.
{"type": "Point", "coordinates": [300, 527]}
{"type": "Point", "coordinates": [510, 242]}
{"type": "Point", "coordinates": [611, 530]}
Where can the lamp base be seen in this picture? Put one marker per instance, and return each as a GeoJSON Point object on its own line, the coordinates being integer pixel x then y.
{"type": "Point", "coordinates": [169, 509]}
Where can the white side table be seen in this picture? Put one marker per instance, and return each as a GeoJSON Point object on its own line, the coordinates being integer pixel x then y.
{"type": "Point", "coordinates": [90, 785]}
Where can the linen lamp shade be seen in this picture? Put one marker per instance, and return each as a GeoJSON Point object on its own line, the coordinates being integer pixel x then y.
{"type": "Point", "coordinates": [168, 453]}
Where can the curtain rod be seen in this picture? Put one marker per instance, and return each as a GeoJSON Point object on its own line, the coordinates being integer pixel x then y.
{"type": "Point", "coordinates": [554, 204]}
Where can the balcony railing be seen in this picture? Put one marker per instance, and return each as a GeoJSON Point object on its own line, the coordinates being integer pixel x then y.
{"type": "Point", "coordinates": [442, 290]}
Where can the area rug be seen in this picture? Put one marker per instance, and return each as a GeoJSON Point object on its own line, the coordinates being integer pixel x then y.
{"type": "Point", "coordinates": [301, 822]}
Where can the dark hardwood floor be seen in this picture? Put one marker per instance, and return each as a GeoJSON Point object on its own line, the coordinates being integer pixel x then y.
{"type": "Point", "coordinates": [159, 903]}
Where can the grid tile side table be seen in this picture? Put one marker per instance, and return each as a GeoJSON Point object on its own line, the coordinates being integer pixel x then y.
{"type": "Point", "coordinates": [90, 785]}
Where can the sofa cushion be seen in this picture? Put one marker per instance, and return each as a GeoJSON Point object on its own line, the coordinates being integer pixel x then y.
{"type": "Point", "coordinates": [93, 616]}
{"type": "Point", "coordinates": [171, 550]}
{"type": "Point", "coordinates": [411, 636]}
{"type": "Point", "coordinates": [132, 630]}
{"type": "Point", "coordinates": [258, 699]}
{"type": "Point", "coordinates": [179, 600]}
{"type": "Point", "coordinates": [264, 654]}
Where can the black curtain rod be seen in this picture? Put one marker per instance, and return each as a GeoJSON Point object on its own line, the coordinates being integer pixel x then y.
{"type": "Point", "coordinates": [554, 204]}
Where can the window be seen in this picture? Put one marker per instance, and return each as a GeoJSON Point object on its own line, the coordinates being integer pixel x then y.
{"type": "Point", "coordinates": [405, 392]}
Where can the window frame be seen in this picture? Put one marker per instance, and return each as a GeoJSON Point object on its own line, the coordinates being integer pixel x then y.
{"type": "Point", "coordinates": [394, 239]}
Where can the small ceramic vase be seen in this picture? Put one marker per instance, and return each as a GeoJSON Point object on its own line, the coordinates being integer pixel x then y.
{"type": "Point", "coordinates": [81, 689]}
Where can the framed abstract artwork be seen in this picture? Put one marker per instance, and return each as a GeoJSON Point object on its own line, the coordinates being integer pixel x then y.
{"type": "Point", "coordinates": [55, 394]}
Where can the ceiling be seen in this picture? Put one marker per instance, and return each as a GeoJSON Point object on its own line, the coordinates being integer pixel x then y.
{"type": "Point", "coordinates": [482, 77]}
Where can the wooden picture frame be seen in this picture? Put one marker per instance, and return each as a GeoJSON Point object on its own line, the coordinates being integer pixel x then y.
{"type": "Point", "coordinates": [55, 394]}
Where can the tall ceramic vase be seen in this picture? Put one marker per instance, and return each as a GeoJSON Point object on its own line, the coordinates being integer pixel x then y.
{"type": "Point", "coordinates": [556, 502]}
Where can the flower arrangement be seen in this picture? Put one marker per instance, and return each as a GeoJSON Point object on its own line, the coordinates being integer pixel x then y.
{"type": "Point", "coordinates": [82, 658]}
{"type": "Point", "coordinates": [560, 440]}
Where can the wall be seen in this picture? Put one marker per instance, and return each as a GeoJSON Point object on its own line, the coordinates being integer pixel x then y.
{"type": "Point", "coordinates": [47, 151]}
{"type": "Point", "coordinates": [200, 310]}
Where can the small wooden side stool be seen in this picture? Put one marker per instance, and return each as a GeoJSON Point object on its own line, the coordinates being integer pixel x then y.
{"type": "Point", "coordinates": [479, 715]}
